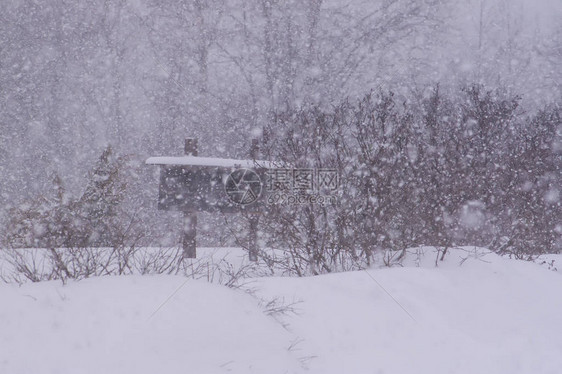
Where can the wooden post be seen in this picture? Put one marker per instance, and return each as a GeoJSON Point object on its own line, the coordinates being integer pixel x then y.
{"type": "Point", "coordinates": [189, 232]}
{"type": "Point", "coordinates": [254, 149]}
{"type": "Point", "coordinates": [253, 237]}
{"type": "Point", "coordinates": [254, 217]}
{"type": "Point", "coordinates": [190, 148]}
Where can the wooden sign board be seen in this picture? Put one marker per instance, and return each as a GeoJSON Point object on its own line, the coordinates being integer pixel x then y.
{"type": "Point", "coordinates": [202, 184]}
{"type": "Point", "coordinates": [207, 189]}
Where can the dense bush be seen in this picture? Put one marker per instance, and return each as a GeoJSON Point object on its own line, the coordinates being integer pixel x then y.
{"type": "Point", "coordinates": [469, 170]}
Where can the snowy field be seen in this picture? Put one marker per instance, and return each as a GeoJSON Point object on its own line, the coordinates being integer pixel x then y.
{"type": "Point", "coordinates": [475, 313]}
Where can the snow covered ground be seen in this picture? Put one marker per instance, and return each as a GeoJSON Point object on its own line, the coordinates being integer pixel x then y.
{"type": "Point", "coordinates": [474, 313]}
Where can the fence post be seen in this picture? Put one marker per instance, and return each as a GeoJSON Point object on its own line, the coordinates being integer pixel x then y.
{"type": "Point", "coordinates": [254, 217]}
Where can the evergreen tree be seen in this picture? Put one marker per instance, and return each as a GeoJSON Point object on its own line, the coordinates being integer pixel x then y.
{"type": "Point", "coordinates": [100, 202]}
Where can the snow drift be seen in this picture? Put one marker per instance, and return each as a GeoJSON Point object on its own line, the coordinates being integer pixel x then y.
{"type": "Point", "coordinates": [474, 313]}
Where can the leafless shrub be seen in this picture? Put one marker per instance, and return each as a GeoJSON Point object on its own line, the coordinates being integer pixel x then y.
{"type": "Point", "coordinates": [446, 172]}
{"type": "Point", "coordinates": [278, 306]}
{"type": "Point", "coordinates": [20, 266]}
{"type": "Point", "coordinates": [393, 258]}
{"type": "Point", "coordinates": [549, 264]}
{"type": "Point", "coordinates": [475, 253]}
{"type": "Point", "coordinates": [159, 261]}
